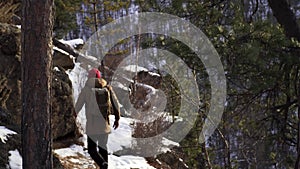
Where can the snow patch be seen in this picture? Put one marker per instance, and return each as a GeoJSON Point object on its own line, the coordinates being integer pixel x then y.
{"type": "Point", "coordinates": [167, 144]}
{"type": "Point", "coordinates": [120, 85]}
{"type": "Point", "coordinates": [56, 69]}
{"type": "Point", "coordinates": [18, 26]}
{"type": "Point", "coordinates": [4, 133]}
{"type": "Point", "coordinates": [121, 137]}
{"type": "Point", "coordinates": [73, 43]}
{"type": "Point", "coordinates": [15, 160]}
{"type": "Point", "coordinates": [154, 74]}
{"type": "Point", "coordinates": [60, 50]}
{"type": "Point", "coordinates": [134, 68]}
{"type": "Point", "coordinates": [78, 77]}
{"type": "Point", "coordinates": [73, 153]}
{"type": "Point", "coordinates": [128, 162]}
{"type": "Point", "coordinates": [75, 156]}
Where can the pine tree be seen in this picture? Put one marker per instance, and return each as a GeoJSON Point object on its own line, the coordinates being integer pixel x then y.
{"type": "Point", "coordinates": [37, 24]}
{"type": "Point", "coordinates": [65, 17]}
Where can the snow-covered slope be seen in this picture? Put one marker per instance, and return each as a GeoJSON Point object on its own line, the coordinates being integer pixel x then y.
{"type": "Point", "coordinates": [117, 140]}
{"type": "Point", "coordinates": [76, 157]}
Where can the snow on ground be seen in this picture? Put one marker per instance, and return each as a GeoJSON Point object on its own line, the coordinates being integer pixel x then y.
{"type": "Point", "coordinates": [77, 156]}
{"type": "Point", "coordinates": [73, 154]}
{"type": "Point", "coordinates": [74, 157]}
{"type": "Point", "coordinates": [128, 162]}
{"type": "Point", "coordinates": [117, 140]}
{"type": "Point", "coordinates": [121, 137]}
{"type": "Point", "coordinates": [4, 133]}
{"type": "Point", "coordinates": [15, 160]}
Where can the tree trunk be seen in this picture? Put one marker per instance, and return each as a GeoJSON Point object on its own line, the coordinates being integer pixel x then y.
{"type": "Point", "coordinates": [297, 164]}
{"type": "Point", "coordinates": [37, 25]}
{"type": "Point", "coordinates": [285, 17]}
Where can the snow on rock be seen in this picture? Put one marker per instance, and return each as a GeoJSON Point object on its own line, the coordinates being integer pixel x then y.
{"type": "Point", "coordinates": [167, 144]}
{"type": "Point", "coordinates": [73, 43]}
{"type": "Point", "coordinates": [119, 85]}
{"type": "Point", "coordinates": [154, 74]}
{"type": "Point", "coordinates": [15, 160]}
{"type": "Point", "coordinates": [56, 69]}
{"type": "Point", "coordinates": [78, 76]}
{"type": "Point", "coordinates": [62, 51]}
{"type": "Point", "coordinates": [4, 133]}
{"type": "Point", "coordinates": [62, 58]}
{"type": "Point", "coordinates": [134, 68]}
{"type": "Point", "coordinates": [18, 26]}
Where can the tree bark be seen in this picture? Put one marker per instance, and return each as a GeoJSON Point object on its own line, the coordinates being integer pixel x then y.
{"type": "Point", "coordinates": [297, 164]}
{"type": "Point", "coordinates": [285, 17]}
{"type": "Point", "coordinates": [37, 25]}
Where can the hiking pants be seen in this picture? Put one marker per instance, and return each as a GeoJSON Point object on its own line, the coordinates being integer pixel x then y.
{"type": "Point", "coordinates": [101, 155]}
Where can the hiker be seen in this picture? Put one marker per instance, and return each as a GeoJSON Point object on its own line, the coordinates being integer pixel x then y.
{"type": "Point", "coordinates": [100, 101]}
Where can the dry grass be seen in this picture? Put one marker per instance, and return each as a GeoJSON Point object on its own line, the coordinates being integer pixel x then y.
{"type": "Point", "coordinates": [7, 10]}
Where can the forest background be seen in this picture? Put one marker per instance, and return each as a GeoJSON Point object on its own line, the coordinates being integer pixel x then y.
{"type": "Point", "coordinates": [258, 44]}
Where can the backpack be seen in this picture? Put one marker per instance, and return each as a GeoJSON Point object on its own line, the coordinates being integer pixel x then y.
{"type": "Point", "coordinates": [102, 96]}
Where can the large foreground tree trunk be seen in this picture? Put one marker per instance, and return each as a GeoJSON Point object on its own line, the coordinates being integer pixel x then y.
{"type": "Point", "coordinates": [37, 24]}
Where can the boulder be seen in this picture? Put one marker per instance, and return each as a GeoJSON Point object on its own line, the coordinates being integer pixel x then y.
{"type": "Point", "coordinates": [149, 78]}
{"type": "Point", "coordinates": [145, 92]}
{"type": "Point", "coordinates": [64, 128]}
{"type": "Point", "coordinates": [10, 72]}
{"type": "Point", "coordinates": [63, 59]}
{"type": "Point", "coordinates": [168, 160]}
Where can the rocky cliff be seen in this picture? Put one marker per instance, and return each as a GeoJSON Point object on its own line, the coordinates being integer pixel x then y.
{"type": "Point", "coordinates": [64, 130]}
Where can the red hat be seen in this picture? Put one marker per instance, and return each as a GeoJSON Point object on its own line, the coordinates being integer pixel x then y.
{"type": "Point", "coordinates": [94, 73]}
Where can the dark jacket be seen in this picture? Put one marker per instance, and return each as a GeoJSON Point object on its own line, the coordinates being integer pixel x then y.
{"type": "Point", "coordinates": [96, 123]}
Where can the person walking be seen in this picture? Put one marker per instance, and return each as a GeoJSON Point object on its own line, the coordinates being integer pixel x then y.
{"type": "Point", "coordinates": [100, 101]}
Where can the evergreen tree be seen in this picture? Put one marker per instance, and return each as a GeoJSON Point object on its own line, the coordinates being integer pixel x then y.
{"type": "Point", "coordinates": [65, 18]}
{"type": "Point", "coordinates": [259, 124]}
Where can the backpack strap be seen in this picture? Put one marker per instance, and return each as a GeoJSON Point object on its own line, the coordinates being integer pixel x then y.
{"type": "Point", "coordinates": [114, 103]}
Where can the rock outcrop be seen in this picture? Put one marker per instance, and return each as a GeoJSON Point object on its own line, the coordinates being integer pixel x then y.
{"type": "Point", "coordinates": [169, 160]}
{"type": "Point", "coordinates": [63, 59]}
{"type": "Point", "coordinates": [10, 72]}
{"type": "Point", "coordinates": [64, 130]}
